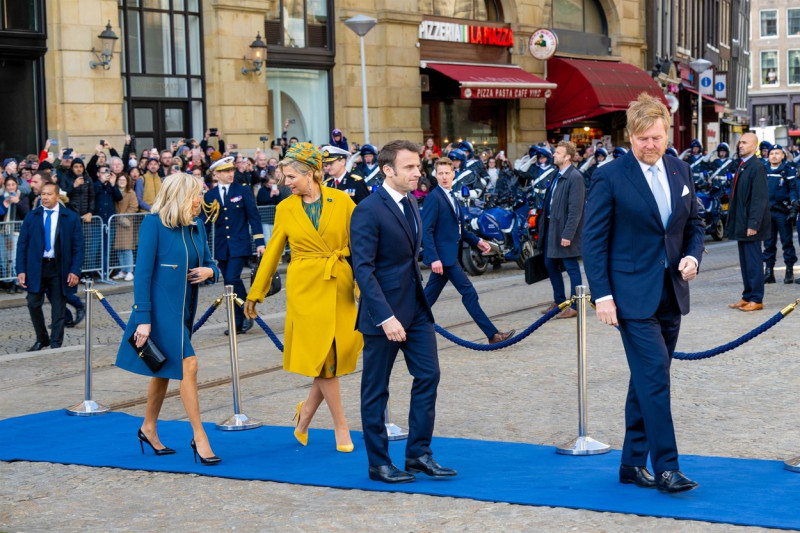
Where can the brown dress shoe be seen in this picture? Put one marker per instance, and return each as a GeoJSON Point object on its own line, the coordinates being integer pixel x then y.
{"type": "Point", "coordinates": [738, 304]}
{"type": "Point", "coordinates": [549, 308]}
{"type": "Point", "coordinates": [567, 313]}
{"type": "Point", "coordinates": [501, 336]}
{"type": "Point", "coordinates": [751, 306]}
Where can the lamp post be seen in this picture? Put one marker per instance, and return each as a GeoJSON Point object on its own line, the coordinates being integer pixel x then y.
{"type": "Point", "coordinates": [699, 66]}
{"type": "Point", "coordinates": [258, 47]}
{"type": "Point", "coordinates": [361, 24]}
{"type": "Point", "coordinates": [108, 38]}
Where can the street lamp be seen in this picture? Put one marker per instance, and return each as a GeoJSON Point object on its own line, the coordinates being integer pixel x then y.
{"type": "Point", "coordinates": [700, 65]}
{"type": "Point", "coordinates": [108, 38]}
{"type": "Point", "coordinates": [361, 24]}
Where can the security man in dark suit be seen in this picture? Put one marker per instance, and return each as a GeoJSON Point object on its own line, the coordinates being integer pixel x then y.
{"type": "Point", "coordinates": [49, 258]}
{"type": "Point", "coordinates": [642, 244]}
{"type": "Point", "coordinates": [442, 231]}
{"type": "Point", "coordinates": [393, 314]}
{"type": "Point", "coordinates": [782, 192]}
{"type": "Point", "coordinates": [334, 165]}
{"type": "Point", "coordinates": [231, 208]}
{"type": "Point", "coordinates": [749, 222]}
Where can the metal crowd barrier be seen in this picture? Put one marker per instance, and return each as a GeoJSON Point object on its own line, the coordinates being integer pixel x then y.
{"type": "Point", "coordinates": [94, 247]}
{"type": "Point", "coordinates": [9, 232]}
{"type": "Point", "coordinates": [122, 242]}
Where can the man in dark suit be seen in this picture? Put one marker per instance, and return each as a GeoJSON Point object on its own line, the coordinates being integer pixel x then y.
{"type": "Point", "coordinates": [49, 258]}
{"type": "Point", "coordinates": [231, 208]}
{"type": "Point", "coordinates": [334, 164]}
{"type": "Point", "coordinates": [386, 233]}
{"type": "Point", "coordinates": [749, 222]}
{"type": "Point", "coordinates": [442, 231]}
{"type": "Point", "coordinates": [562, 225]}
{"type": "Point", "coordinates": [642, 243]}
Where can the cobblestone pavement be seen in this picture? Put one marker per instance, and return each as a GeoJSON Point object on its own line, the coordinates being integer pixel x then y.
{"type": "Point", "coordinates": [741, 404]}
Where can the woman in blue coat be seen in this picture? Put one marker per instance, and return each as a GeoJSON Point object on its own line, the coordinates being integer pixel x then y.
{"type": "Point", "coordinates": [172, 261]}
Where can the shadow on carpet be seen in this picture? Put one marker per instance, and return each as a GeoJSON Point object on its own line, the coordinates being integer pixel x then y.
{"type": "Point", "coordinates": [736, 491]}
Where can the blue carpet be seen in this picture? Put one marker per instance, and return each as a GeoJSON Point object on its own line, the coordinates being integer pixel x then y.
{"type": "Point", "coordinates": [736, 491]}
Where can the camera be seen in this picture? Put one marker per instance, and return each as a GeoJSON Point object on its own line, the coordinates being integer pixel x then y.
{"type": "Point", "coordinates": [212, 132]}
{"type": "Point", "coordinates": [54, 141]}
{"type": "Point", "coordinates": [292, 120]}
{"type": "Point", "coordinates": [102, 142]}
{"type": "Point", "coordinates": [264, 138]}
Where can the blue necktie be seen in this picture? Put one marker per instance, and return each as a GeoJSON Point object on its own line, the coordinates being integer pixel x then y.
{"type": "Point", "coordinates": [409, 218]}
{"type": "Point", "coordinates": [48, 227]}
{"type": "Point", "coordinates": [660, 196]}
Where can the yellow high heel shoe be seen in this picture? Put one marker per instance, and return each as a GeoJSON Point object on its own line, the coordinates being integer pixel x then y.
{"type": "Point", "coordinates": [302, 438]}
{"type": "Point", "coordinates": [344, 448]}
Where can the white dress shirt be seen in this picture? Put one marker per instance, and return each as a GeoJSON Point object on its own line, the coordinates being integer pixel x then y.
{"type": "Point", "coordinates": [53, 225]}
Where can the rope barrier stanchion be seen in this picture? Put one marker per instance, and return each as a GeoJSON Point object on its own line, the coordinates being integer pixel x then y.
{"type": "Point", "coordinates": [88, 407]}
{"type": "Point", "coordinates": [202, 320]}
{"type": "Point", "coordinates": [108, 307]}
{"type": "Point", "coordinates": [263, 325]}
{"type": "Point", "coordinates": [583, 444]}
{"type": "Point", "coordinates": [792, 465]}
{"type": "Point", "coordinates": [393, 431]}
{"type": "Point", "coordinates": [239, 420]}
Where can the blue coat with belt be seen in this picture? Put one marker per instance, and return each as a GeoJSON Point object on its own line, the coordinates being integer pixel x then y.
{"type": "Point", "coordinates": [443, 229]}
{"type": "Point", "coordinates": [231, 232]}
{"type": "Point", "coordinates": [159, 294]}
{"type": "Point", "coordinates": [624, 242]}
{"type": "Point", "coordinates": [69, 247]}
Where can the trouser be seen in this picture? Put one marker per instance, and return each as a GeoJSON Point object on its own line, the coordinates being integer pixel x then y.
{"type": "Point", "coordinates": [781, 226]}
{"type": "Point", "coordinates": [469, 297]}
{"type": "Point", "coordinates": [752, 265]}
{"type": "Point", "coordinates": [51, 282]}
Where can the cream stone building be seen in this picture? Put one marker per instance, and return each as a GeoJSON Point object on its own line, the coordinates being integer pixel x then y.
{"type": "Point", "coordinates": [448, 69]}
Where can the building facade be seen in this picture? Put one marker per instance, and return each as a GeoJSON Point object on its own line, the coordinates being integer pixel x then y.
{"type": "Point", "coordinates": [447, 69]}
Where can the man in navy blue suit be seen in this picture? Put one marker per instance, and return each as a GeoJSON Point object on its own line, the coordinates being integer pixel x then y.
{"type": "Point", "coordinates": [642, 244]}
{"type": "Point", "coordinates": [237, 210]}
{"type": "Point", "coordinates": [386, 233]}
{"type": "Point", "coordinates": [49, 258]}
{"type": "Point", "coordinates": [442, 231]}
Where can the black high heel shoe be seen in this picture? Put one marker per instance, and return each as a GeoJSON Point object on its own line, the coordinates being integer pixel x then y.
{"type": "Point", "coordinates": [207, 461]}
{"type": "Point", "coordinates": [143, 440]}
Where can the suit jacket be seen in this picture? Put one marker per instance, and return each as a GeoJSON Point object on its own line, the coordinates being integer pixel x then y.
{"type": "Point", "coordinates": [354, 186]}
{"type": "Point", "coordinates": [385, 263]}
{"type": "Point", "coordinates": [565, 214]}
{"type": "Point", "coordinates": [749, 206]}
{"type": "Point", "coordinates": [443, 229]}
{"type": "Point", "coordinates": [320, 306]}
{"type": "Point", "coordinates": [231, 232]}
{"type": "Point", "coordinates": [624, 242]}
{"type": "Point", "coordinates": [68, 247]}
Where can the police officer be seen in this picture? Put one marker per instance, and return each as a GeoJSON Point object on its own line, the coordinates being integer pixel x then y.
{"type": "Point", "coordinates": [231, 208]}
{"type": "Point", "coordinates": [780, 181]}
{"type": "Point", "coordinates": [723, 163]}
{"type": "Point", "coordinates": [464, 176]}
{"type": "Point", "coordinates": [764, 149]}
{"type": "Point", "coordinates": [368, 167]}
{"type": "Point", "coordinates": [600, 158]}
{"type": "Point", "coordinates": [695, 152]}
{"type": "Point", "coordinates": [334, 164]}
{"type": "Point", "coordinates": [618, 152]}
{"type": "Point", "coordinates": [474, 164]}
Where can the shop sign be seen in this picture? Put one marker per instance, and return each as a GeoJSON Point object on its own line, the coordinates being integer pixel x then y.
{"type": "Point", "coordinates": [543, 44]}
{"type": "Point", "coordinates": [476, 93]}
{"type": "Point", "coordinates": [436, 30]}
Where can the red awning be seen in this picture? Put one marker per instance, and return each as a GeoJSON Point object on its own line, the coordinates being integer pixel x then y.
{"type": "Point", "coordinates": [694, 92]}
{"type": "Point", "coordinates": [493, 81]}
{"type": "Point", "coordinates": [794, 133]}
{"type": "Point", "coordinates": [587, 88]}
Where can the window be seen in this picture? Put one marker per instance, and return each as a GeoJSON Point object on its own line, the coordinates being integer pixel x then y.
{"type": "Point", "coordinates": [20, 15]}
{"type": "Point", "coordinates": [769, 68]}
{"type": "Point", "coordinates": [579, 15]}
{"type": "Point", "coordinates": [793, 62]}
{"type": "Point", "coordinates": [489, 10]}
{"type": "Point", "coordinates": [769, 115]}
{"type": "Point", "coordinates": [769, 23]}
{"type": "Point", "coordinates": [298, 23]}
{"type": "Point", "coordinates": [793, 22]}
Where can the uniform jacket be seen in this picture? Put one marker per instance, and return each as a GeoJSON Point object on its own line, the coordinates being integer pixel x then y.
{"type": "Point", "coordinates": [385, 263]}
{"type": "Point", "coordinates": [68, 247]}
{"type": "Point", "coordinates": [352, 185]}
{"type": "Point", "coordinates": [159, 293]}
{"type": "Point", "coordinates": [442, 229]}
{"type": "Point", "coordinates": [372, 176]}
{"type": "Point", "coordinates": [320, 305]}
{"type": "Point", "coordinates": [749, 205]}
{"type": "Point", "coordinates": [565, 215]}
{"type": "Point", "coordinates": [624, 242]}
{"type": "Point", "coordinates": [780, 184]}
{"type": "Point", "coordinates": [231, 231]}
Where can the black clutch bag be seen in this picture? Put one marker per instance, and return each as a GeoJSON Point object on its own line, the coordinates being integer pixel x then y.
{"type": "Point", "coordinates": [275, 284]}
{"type": "Point", "coordinates": [535, 269]}
{"type": "Point", "coordinates": [149, 353]}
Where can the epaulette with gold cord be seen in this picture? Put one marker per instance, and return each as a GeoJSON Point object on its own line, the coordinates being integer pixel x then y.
{"type": "Point", "coordinates": [211, 210]}
{"type": "Point", "coordinates": [356, 177]}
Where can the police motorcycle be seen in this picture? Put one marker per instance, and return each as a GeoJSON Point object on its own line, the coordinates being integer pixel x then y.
{"type": "Point", "coordinates": [504, 224]}
{"type": "Point", "coordinates": [364, 163]}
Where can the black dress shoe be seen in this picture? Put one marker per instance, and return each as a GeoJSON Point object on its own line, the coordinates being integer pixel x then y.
{"type": "Point", "coordinates": [239, 331]}
{"type": "Point", "coordinates": [674, 481]}
{"type": "Point", "coordinates": [389, 474]}
{"type": "Point", "coordinates": [80, 314]}
{"type": "Point", "coordinates": [37, 346]}
{"type": "Point", "coordinates": [427, 465]}
{"type": "Point", "coordinates": [55, 345]}
{"type": "Point", "coordinates": [637, 475]}
{"type": "Point", "coordinates": [247, 325]}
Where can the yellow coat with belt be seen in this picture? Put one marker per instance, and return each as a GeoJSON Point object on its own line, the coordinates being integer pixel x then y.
{"type": "Point", "coordinates": [320, 305]}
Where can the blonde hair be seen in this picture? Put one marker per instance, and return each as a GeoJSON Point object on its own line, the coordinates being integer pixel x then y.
{"type": "Point", "coordinates": [173, 202]}
{"type": "Point", "coordinates": [443, 162]}
{"type": "Point", "coordinates": [301, 167]}
{"type": "Point", "coordinates": [644, 112]}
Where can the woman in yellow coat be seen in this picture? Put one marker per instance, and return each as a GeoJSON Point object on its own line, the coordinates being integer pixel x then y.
{"type": "Point", "coordinates": [320, 339]}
